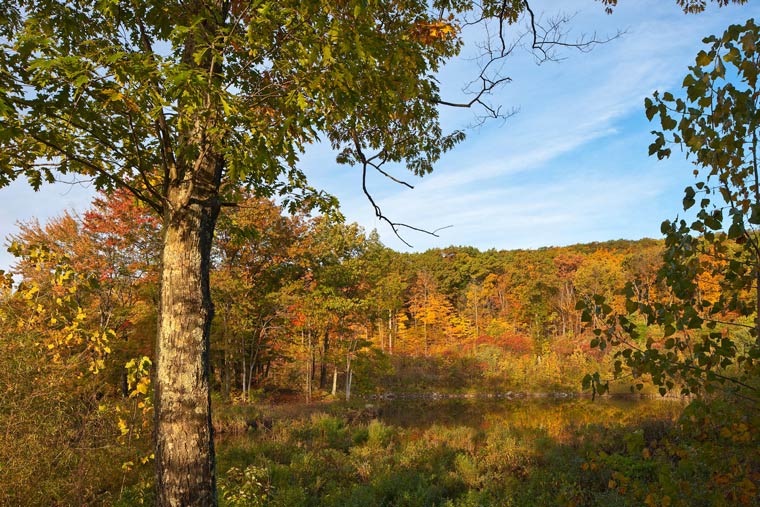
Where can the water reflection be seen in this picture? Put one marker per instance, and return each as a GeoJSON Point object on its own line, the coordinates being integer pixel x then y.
{"type": "Point", "coordinates": [482, 412]}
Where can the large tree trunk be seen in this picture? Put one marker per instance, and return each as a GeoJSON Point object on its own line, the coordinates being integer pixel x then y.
{"type": "Point", "coordinates": [184, 437]}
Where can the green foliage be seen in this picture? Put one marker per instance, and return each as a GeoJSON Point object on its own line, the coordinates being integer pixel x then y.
{"type": "Point", "coordinates": [245, 488]}
{"type": "Point", "coordinates": [278, 75]}
{"type": "Point", "coordinates": [531, 454]}
{"type": "Point", "coordinates": [701, 339]}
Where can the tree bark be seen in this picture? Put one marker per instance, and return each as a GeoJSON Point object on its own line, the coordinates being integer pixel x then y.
{"type": "Point", "coordinates": [185, 463]}
{"type": "Point", "coordinates": [226, 358]}
{"type": "Point", "coordinates": [309, 369]}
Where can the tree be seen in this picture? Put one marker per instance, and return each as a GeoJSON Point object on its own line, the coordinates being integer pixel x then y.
{"type": "Point", "coordinates": [257, 252]}
{"type": "Point", "coordinates": [711, 265]}
{"type": "Point", "coordinates": [179, 102]}
{"type": "Point", "coordinates": [54, 356]}
{"type": "Point", "coordinates": [116, 243]}
{"type": "Point", "coordinates": [600, 273]}
{"type": "Point", "coordinates": [431, 308]}
{"type": "Point", "coordinates": [384, 270]}
{"type": "Point", "coordinates": [567, 266]}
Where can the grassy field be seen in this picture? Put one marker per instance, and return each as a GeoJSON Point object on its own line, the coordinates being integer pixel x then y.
{"type": "Point", "coordinates": [505, 453]}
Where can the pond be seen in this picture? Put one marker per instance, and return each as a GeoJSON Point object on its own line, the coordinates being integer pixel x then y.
{"type": "Point", "coordinates": [483, 411]}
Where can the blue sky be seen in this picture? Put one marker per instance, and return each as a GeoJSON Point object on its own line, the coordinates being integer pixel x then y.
{"type": "Point", "coordinates": [570, 167]}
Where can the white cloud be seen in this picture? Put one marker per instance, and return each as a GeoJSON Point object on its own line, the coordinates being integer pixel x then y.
{"type": "Point", "coordinates": [539, 179]}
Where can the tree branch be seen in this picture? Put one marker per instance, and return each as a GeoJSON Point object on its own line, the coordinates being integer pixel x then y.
{"type": "Point", "coordinates": [395, 226]}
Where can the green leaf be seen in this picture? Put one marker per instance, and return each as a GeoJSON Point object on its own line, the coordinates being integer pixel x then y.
{"type": "Point", "coordinates": [668, 122]}
{"type": "Point", "coordinates": [703, 59]}
{"type": "Point", "coordinates": [302, 103]}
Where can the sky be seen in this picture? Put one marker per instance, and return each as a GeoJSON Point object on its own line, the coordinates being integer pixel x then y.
{"type": "Point", "coordinates": [570, 167]}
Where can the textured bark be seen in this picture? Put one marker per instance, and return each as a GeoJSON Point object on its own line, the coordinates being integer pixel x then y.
{"type": "Point", "coordinates": [184, 436]}
{"type": "Point", "coordinates": [185, 462]}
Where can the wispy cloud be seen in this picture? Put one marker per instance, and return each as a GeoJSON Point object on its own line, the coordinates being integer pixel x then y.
{"type": "Point", "coordinates": [540, 178]}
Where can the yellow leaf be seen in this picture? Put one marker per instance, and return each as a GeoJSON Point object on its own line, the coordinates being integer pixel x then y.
{"type": "Point", "coordinates": [123, 426]}
{"type": "Point", "coordinates": [142, 388]}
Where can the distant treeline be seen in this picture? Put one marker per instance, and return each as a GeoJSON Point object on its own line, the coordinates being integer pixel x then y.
{"type": "Point", "coordinates": [301, 302]}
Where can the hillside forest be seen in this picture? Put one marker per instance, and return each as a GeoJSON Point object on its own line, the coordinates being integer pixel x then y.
{"type": "Point", "coordinates": [307, 311]}
{"type": "Point", "coordinates": [302, 301]}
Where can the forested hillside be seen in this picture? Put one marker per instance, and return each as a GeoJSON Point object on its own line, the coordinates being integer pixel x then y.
{"type": "Point", "coordinates": [301, 300]}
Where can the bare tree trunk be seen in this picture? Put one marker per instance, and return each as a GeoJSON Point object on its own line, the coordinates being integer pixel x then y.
{"type": "Point", "coordinates": [255, 360]}
{"type": "Point", "coordinates": [309, 369]}
{"type": "Point", "coordinates": [424, 332]}
{"type": "Point", "coordinates": [227, 358]}
{"type": "Point", "coordinates": [390, 332]}
{"type": "Point", "coordinates": [185, 463]}
{"type": "Point", "coordinates": [335, 381]}
{"type": "Point", "coordinates": [243, 373]}
{"type": "Point", "coordinates": [348, 375]}
{"type": "Point", "coordinates": [323, 360]}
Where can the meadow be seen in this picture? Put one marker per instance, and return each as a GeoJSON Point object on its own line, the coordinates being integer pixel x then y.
{"type": "Point", "coordinates": [475, 452]}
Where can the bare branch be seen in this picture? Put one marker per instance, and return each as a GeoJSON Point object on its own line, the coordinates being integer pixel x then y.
{"type": "Point", "coordinates": [544, 39]}
{"type": "Point", "coordinates": [395, 226]}
{"type": "Point", "coordinates": [548, 36]}
{"type": "Point", "coordinates": [389, 176]}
